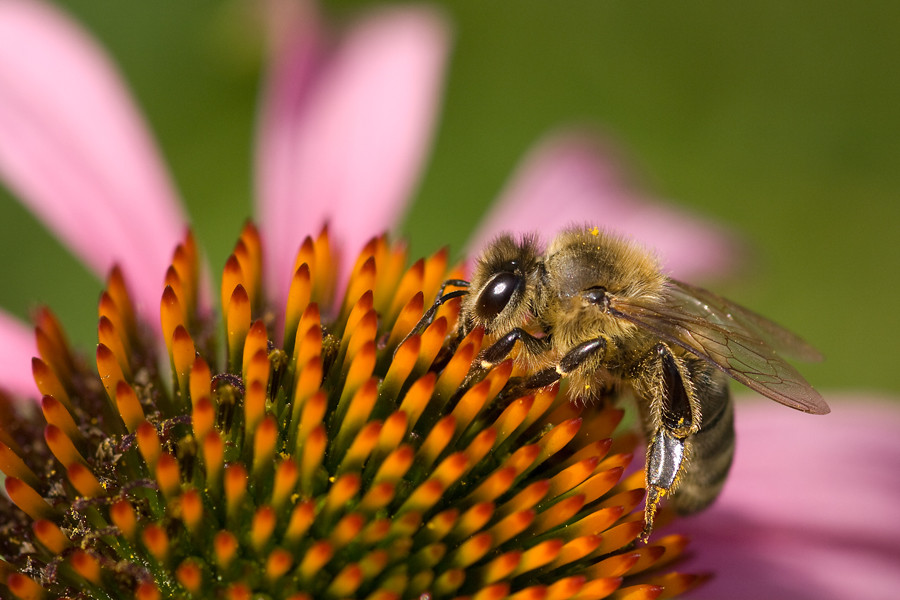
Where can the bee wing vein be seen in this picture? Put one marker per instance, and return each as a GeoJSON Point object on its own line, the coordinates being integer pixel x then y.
{"type": "Point", "coordinates": [734, 339]}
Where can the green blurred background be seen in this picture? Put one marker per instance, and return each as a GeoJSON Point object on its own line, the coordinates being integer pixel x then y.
{"type": "Point", "coordinates": [779, 120]}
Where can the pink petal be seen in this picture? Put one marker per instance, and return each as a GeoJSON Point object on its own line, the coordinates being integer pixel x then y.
{"type": "Point", "coordinates": [343, 133]}
{"type": "Point", "coordinates": [76, 152]}
{"type": "Point", "coordinates": [810, 508]}
{"type": "Point", "coordinates": [573, 179]}
{"type": "Point", "coordinates": [17, 346]}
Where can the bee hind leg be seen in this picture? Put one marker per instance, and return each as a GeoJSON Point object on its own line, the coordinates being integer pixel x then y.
{"type": "Point", "coordinates": [674, 418]}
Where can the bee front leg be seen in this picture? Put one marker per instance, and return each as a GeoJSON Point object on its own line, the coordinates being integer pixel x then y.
{"type": "Point", "coordinates": [438, 301]}
{"type": "Point", "coordinates": [674, 416]}
{"type": "Point", "coordinates": [499, 350]}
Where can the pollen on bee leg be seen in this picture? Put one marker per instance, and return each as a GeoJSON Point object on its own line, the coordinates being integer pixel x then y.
{"type": "Point", "coordinates": [655, 494]}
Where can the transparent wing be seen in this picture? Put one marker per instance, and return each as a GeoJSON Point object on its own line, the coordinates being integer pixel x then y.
{"type": "Point", "coordinates": [731, 337]}
{"type": "Point", "coordinates": [784, 342]}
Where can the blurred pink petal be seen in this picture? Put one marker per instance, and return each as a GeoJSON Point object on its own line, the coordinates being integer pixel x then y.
{"type": "Point", "coordinates": [17, 346]}
{"type": "Point", "coordinates": [76, 152]}
{"type": "Point", "coordinates": [572, 179]}
{"type": "Point", "coordinates": [344, 132]}
{"type": "Point", "coordinates": [810, 509]}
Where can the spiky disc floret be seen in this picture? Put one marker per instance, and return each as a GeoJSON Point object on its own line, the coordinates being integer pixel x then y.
{"type": "Point", "coordinates": [311, 455]}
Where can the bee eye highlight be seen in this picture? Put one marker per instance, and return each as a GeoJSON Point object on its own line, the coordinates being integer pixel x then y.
{"type": "Point", "coordinates": [497, 294]}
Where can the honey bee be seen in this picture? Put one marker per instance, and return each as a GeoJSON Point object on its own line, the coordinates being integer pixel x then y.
{"type": "Point", "coordinates": [597, 309]}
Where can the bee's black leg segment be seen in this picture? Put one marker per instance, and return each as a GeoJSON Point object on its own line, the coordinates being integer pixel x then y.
{"type": "Point", "coordinates": [460, 283]}
{"type": "Point", "coordinates": [499, 350]}
{"type": "Point", "coordinates": [439, 300]}
{"type": "Point", "coordinates": [573, 359]}
{"type": "Point", "coordinates": [677, 412]}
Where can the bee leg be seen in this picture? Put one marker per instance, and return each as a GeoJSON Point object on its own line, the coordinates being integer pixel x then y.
{"type": "Point", "coordinates": [438, 301]}
{"type": "Point", "coordinates": [675, 419]}
{"type": "Point", "coordinates": [499, 350]}
{"type": "Point", "coordinates": [573, 359]}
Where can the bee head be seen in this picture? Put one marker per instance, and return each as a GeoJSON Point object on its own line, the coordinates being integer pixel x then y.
{"type": "Point", "coordinates": [502, 286]}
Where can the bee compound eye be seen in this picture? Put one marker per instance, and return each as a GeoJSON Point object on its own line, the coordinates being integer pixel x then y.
{"type": "Point", "coordinates": [497, 294]}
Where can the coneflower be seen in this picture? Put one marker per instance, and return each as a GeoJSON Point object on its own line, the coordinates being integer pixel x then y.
{"type": "Point", "coordinates": [312, 451]}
